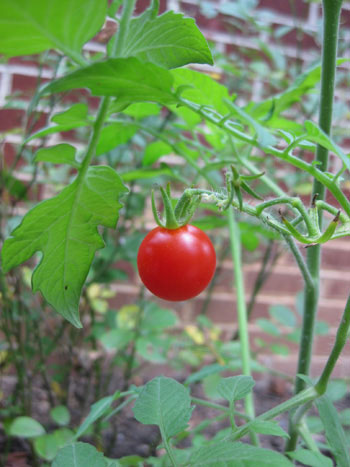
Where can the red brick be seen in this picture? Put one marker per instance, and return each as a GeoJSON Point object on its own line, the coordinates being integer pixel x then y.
{"type": "Point", "coordinates": [10, 119]}
{"type": "Point", "coordinates": [301, 7]}
{"type": "Point", "coordinates": [337, 260]}
{"type": "Point", "coordinates": [324, 344]}
{"type": "Point", "coordinates": [306, 42]}
{"type": "Point", "coordinates": [26, 85]}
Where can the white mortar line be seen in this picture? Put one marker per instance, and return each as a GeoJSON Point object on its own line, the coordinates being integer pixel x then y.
{"type": "Point", "coordinates": [5, 87]}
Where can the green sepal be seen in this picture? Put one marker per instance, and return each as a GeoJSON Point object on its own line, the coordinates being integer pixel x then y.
{"type": "Point", "coordinates": [328, 233]}
{"type": "Point", "coordinates": [195, 201]}
{"type": "Point", "coordinates": [182, 205]}
{"type": "Point", "coordinates": [154, 210]}
{"type": "Point", "coordinates": [313, 213]}
{"type": "Point", "coordinates": [295, 233]}
{"type": "Point", "coordinates": [239, 196]}
{"type": "Point", "coordinates": [179, 216]}
{"type": "Point", "coordinates": [235, 173]}
{"type": "Point", "coordinates": [230, 192]}
{"type": "Point", "coordinates": [170, 219]}
{"type": "Point", "coordinates": [252, 177]}
{"type": "Point", "coordinates": [250, 191]}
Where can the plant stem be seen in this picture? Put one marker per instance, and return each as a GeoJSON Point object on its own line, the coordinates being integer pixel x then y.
{"type": "Point", "coordinates": [97, 127]}
{"type": "Point", "coordinates": [168, 448]}
{"type": "Point", "coordinates": [118, 45]}
{"type": "Point", "coordinates": [300, 260]}
{"type": "Point", "coordinates": [303, 397]}
{"type": "Point", "coordinates": [307, 437]}
{"type": "Point", "coordinates": [235, 243]}
{"type": "Point", "coordinates": [177, 149]}
{"type": "Point", "coordinates": [287, 156]}
{"type": "Point", "coordinates": [331, 11]}
{"type": "Point", "coordinates": [339, 344]}
{"type": "Point", "coordinates": [254, 170]}
{"type": "Point", "coordinates": [128, 8]}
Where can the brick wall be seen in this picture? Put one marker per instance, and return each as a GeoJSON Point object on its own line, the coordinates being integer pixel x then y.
{"type": "Point", "coordinates": [284, 283]}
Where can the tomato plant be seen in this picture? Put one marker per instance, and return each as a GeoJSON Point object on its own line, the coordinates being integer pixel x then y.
{"type": "Point", "coordinates": [176, 264]}
{"type": "Point", "coordinates": [152, 109]}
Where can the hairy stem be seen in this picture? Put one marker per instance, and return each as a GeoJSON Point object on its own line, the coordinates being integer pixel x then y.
{"type": "Point", "coordinates": [228, 126]}
{"type": "Point", "coordinates": [339, 344]}
{"type": "Point", "coordinates": [235, 242]}
{"type": "Point", "coordinates": [303, 397]}
{"type": "Point", "coordinates": [331, 12]}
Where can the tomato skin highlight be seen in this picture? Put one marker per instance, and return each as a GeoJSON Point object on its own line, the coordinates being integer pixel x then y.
{"type": "Point", "coordinates": [176, 264]}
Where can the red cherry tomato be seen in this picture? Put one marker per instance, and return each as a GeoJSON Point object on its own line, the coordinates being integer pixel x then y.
{"type": "Point", "coordinates": [176, 264]}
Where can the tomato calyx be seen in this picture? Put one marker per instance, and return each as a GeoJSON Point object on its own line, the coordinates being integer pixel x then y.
{"type": "Point", "coordinates": [180, 215]}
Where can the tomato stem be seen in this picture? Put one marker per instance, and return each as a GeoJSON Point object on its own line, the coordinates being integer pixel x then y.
{"type": "Point", "coordinates": [170, 219]}
{"type": "Point", "coordinates": [339, 344]}
{"type": "Point", "coordinates": [331, 16]}
{"type": "Point", "coordinates": [235, 243]}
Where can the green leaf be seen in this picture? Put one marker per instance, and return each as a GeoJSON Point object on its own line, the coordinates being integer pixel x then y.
{"type": "Point", "coordinates": [58, 154]}
{"type": "Point", "coordinates": [154, 151]}
{"type": "Point", "coordinates": [114, 135]}
{"type": "Point", "coordinates": [141, 110]}
{"type": "Point", "coordinates": [225, 454]}
{"type": "Point", "coordinates": [166, 403]}
{"type": "Point", "coordinates": [249, 240]}
{"type": "Point", "coordinates": [314, 459]}
{"type": "Point", "coordinates": [76, 113]}
{"type": "Point", "coordinates": [64, 229]}
{"type": "Point", "coordinates": [26, 427]}
{"type": "Point", "coordinates": [46, 447]}
{"type": "Point", "coordinates": [345, 417]}
{"type": "Point", "coordinates": [116, 339]}
{"type": "Point", "coordinates": [268, 428]}
{"type": "Point", "coordinates": [321, 328]}
{"type": "Point", "coordinates": [29, 27]}
{"type": "Point", "coordinates": [283, 315]}
{"type": "Point", "coordinates": [74, 117]}
{"type": "Point", "coordinates": [205, 371]}
{"type": "Point", "coordinates": [280, 349]}
{"type": "Point", "coordinates": [79, 455]}
{"type": "Point", "coordinates": [63, 436]}
{"type": "Point", "coordinates": [305, 83]}
{"type": "Point", "coordinates": [168, 40]}
{"type": "Point", "coordinates": [153, 348]}
{"type": "Point", "coordinates": [97, 410]}
{"type": "Point", "coordinates": [268, 327]}
{"type": "Point", "coordinates": [156, 319]}
{"type": "Point", "coordinates": [263, 136]}
{"type": "Point", "coordinates": [314, 424]}
{"type": "Point", "coordinates": [315, 134]}
{"type": "Point", "coordinates": [209, 222]}
{"type": "Point", "coordinates": [334, 431]}
{"type": "Point", "coordinates": [234, 388]}
{"type": "Point", "coordinates": [126, 78]}
{"type": "Point", "coordinates": [202, 89]}
{"type": "Point", "coordinates": [14, 186]}
{"type": "Point", "coordinates": [336, 390]}
{"type": "Point", "coordinates": [60, 414]}
{"type": "Point", "coordinates": [146, 173]}
{"type": "Point", "coordinates": [127, 461]}
{"type": "Point", "coordinates": [51, 129]}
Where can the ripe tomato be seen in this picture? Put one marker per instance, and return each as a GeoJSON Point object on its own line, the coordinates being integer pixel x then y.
{"type": "Point", "coordinates": [176, 264]}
